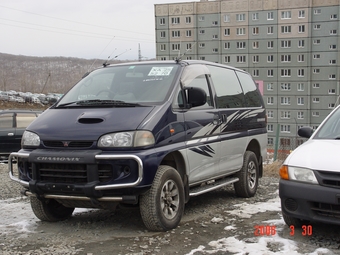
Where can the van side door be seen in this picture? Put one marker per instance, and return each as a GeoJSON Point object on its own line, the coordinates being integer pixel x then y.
{"type": "Point", "coordinates": [202, 132]}
{"type": "Point", "coordinates": [230, 101]}
{"type": "Point", "coordinates": [7, 132]}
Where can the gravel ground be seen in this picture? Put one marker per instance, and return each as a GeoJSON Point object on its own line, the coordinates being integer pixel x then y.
{"type": "Point", "coordinates": [209, 217]}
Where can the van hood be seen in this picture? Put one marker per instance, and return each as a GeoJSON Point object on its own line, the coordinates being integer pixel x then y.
{"type": "Point", "coordinates": [87, 124]}
{"type": "Point", "coordinates": [316, 154]}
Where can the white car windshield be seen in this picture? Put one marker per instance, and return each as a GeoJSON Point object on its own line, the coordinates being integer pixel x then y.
{"type": "Point", "coordinates": [330, 129]}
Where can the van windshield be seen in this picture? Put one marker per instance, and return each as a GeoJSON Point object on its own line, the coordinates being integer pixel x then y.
{"type": "Point", "coordinates": [131, 84]}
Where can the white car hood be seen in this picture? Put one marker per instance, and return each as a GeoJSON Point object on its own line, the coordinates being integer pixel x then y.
{"type": "Point", "coordinates": [317, 155]}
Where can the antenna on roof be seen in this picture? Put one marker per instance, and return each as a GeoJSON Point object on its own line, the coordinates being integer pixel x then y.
{"type": "Point", "coordinates": [179, 58]}
{"type": "Point", "coordinates": [106, 64]}
{"type": "Point", "coordinates": [101, 53]}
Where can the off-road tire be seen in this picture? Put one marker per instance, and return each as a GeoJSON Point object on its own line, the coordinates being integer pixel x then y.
{"type": "Point", "coordinates": [50, 210]}
{"type": "Point", "coordinates": [162, 206]}
{"type": "Point", "coordinates": [248, 176]}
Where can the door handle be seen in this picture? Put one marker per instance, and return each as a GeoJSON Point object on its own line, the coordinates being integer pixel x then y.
{"type": "Point", "coordinates": [10, 134]}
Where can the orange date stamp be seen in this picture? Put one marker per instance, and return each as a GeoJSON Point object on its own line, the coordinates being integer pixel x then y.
{"type": "Point", "coordinates": [270, 230]}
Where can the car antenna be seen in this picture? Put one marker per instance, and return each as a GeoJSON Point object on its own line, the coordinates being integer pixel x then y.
{"type": "Point", "coordinates": [106, 62]}
{"type": "Point", "coordinates": [99, 55]}
{"type": "Point", "coordinates": [179, 58]}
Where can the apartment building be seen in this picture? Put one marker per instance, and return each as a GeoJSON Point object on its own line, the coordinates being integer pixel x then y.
{"type": "Point", "coordinates": [291, 47]}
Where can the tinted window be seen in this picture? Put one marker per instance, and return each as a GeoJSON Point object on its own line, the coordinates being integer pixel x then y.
{"type": "Point", "coordinates": [6, 120]}
{"type": "Point", "coordinates": [228, 89]}
{"type": "Point", "coordinates": [253, 96]}
{"type": "Point", "coordinates": [24, 119]}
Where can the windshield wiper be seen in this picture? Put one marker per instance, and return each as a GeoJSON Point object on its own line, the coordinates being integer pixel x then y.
{"type": "Point", "coordinates": [98, 102]}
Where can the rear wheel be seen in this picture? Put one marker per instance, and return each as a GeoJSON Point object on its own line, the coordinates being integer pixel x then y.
{"type": "Point", "coordinates": [50, 209]}
{"type": "Point", "coordinates": [162, 205]}
{"type": "Point", "coordinates": [248, 176]}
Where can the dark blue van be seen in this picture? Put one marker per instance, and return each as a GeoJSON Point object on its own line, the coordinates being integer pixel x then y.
{"type": "Point", "coordinates": [150, 134]}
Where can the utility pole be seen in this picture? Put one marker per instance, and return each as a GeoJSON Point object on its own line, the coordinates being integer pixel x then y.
{"type": "Point", "coordinates": [139, 53]}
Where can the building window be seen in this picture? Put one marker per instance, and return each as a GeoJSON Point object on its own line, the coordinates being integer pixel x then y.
{"type": "Point", "coordinates": [316, 56]}
{"type": "Point", "coordinates": [227, 59]}
{"type": "Point", "coordinates": [301, 29]}
{"type": "Point", "coordinates": [316, 100]}
{"type": "Point", "coordinates": [333, 32]}
{"type": "Point", "coordinates": [241, 59]}
{"type": "Point", "coordinates": [240, 31]}
{"type": "Point", "coordinates": [227, 45]}
{"type": "Point", "coordinates": [176, 47]}
{"type": "Point", "coordinates": [332, 76]}
{"type": "Point", "coordinates": [331, 106]}
{"type": "Point", "coordinates": [286, 29]}
{"type": "Point", "coordinates": [255, 30]}
{"type": "Point", "coordinates": [270, 86]}
{"type": "Point", "coordinates": [300, 87]}
{"type": "Point", "coordinates": [332, 62]}
{"type": "Point", "coordinates": [286, 44]}
{"type": "Point", "coordinates": [189, 46]}
{"type": "Point", "coordinates": [270, 58]}
{"type": "Point", "coordinates": [301, 58]}
{"type": "Point", "coordinates": [241, 17]}
{"type": "Point", "coordinates": [270, 44]}
{"type": "Point", "coordinates": [285, 114]}
{"type": "Point", "coordinates": [332, 47]}
{"type": "Point", "coordinates": [334, 16]}
{"type": "Point", "coordinates": [215, 23]}
{"type": "Point", "coordinates": [240, 45]}
{"type": "Point", "coordinates": [270, 73]}
{"type": "Point", "coordinates": [162, 21]}
{"type": "Point", "coordinates": [163, 47]}
{"type": "Point", "coordinates": [256, 59]}
{"type": "Point", "coordinates": [315, 114]}
{"type": "Point", "coordinates": [317, 26]}
{"type": "Point", "coordinates": [316, 85]}
{"type": "Point", "coordinates": [175, 20]}
{"type": "Point", "coordinates": [163, 58]}
{"type": "Point", "coordinates": [285, 100]}
{"type": "Point", "coordinates": [226, 18]}
{"type": "Point", "coordinates": [255, 45]}
{"type": "Point", "coordinates": [301, 43]}
{"type": "Point", "coordinates": [256, 73]}
{"type": "Point", "coordinates": [301, 72]}
{"type": "Point", "coordinates": [285, 128]}
{"type": "Point", "coordinates": [188, 33]}
{"type": "Point", "coordinates": [255, 16]}
{"type": "Point", "coordinates": [331, 91]}
{"type": "Point", "coordinates": [285, 86]}
{"type": "Point", "coordinates": [300, 100]}
{"type": "Point", "coordinates": [316, 70]}
{"type": "Point", "coordinates": [300, 115]}
{"type": "Point", "coordinates": [188, 20]}
{"type": "Point", "coordinates": [317, 11]}
{"type": "Point", "coordinates": [176, 34]}
{"type": "Point", "coordinates": [270, 100]}
{"type": "Point", "coordinates": [201, 18]}
{"type": "Point", "coordinates": [215, 50]}
{"type": "Point", "coordinates": [270, 114]}
{"type": "Point", "coordinates": [286, 15]}
{"type": "Point", "coordinates": [201, 45]}
{"type": "Point", "coordinates": [270, 128]}
{"type": "Point", "coordinates": [285, 72]}
{"type": "Point", "coordinates": [302, 14]}
{"type": "Point", "coordinates": [201, 58]}
{"type": "Point", "coordinates": [162, 34]}
{"type": "Point", "coordinates": [270, 30]}
{"type": "Point", "coordinates": [215, 37]}
{"type": "Point", "coordinates": [270, 16]}
{"type": "Point", "coordinates": [227, 31]}
{"type": "Point", "coordinates": [285, 58]}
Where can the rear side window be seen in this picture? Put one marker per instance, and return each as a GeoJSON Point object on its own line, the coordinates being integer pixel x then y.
{"type": "Point", "coordinates": [228, 89]}
{"type": "Point", "coordinates": [253, 96]}
{"type": "Point", "coordinates": [6, 120]}
{"type": "Point", "coordinates": [24, 119]}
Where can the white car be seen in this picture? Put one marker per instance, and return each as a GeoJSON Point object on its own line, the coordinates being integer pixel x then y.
{"type": "Point", "coordinates": [310, 177]}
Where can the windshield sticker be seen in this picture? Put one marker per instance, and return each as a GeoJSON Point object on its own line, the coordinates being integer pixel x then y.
{"type": "Point", "coordinates": [131, 67]}
{"type": "Point", "coordinates": [160, 71]}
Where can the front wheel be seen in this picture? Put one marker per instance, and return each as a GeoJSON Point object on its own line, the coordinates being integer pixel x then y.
{"type": "Point", "coordinates": [50, 209]}
{"type": "Point", "coordinates": [248, 176]}
{"type": "Point", "coordinates": [162, 205]}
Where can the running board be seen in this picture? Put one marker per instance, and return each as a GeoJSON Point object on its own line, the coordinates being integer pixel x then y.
{"type": "Point", "coordinates": [212, 186]}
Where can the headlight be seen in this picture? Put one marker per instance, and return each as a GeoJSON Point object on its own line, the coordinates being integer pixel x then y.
{"type": "Point", "coordinates": [301, 174]}
{"type": "Point", "coordinates": [127, 139]}
{"type": "Point", "coordinates": [30, 139]}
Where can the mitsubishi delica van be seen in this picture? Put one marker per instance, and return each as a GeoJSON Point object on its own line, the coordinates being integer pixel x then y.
{"type": "Point", "coordinates": [150, 134]}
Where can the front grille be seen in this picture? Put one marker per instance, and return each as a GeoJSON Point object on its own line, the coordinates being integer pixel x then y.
{"type": "Point", "coordinates": [70, 144]}
{"type": "Point", "coordinates": [329, 179]}
{"type": "Point", "coordinates": [326, 210]}
{"type": "Point", "coordinates": [70, 173]}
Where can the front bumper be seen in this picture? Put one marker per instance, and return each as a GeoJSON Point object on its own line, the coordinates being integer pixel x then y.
{"type": "Point", "coordinates": [310, 202]}
{"type": "Point", "coordinates": [76, 175]}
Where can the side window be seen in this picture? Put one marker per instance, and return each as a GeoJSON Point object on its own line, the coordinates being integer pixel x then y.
{"type": "Point", "coordinates": [253, 96]}
{"type": "Point", "coordinates": [6, 120]}
{"type": "Point", "coordinates": [201, 82]}
{"type": "Point", "coordinates": [228, 89]}
{"type": "Point", "coordinates": [24, 119]}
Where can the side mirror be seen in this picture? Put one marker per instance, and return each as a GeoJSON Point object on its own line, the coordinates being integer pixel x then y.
{"type": "Point", "coordinates": [195, 96]}
{"type": "Point", "coordinates": [305, 132]}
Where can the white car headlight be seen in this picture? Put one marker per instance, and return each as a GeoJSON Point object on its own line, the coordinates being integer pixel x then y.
{"type": "Point", "coordinates": [301, 174]}
{"type": "Point", "coordinates": [30, 139]}
{"type": "Point", "coordinates": [127, 139]}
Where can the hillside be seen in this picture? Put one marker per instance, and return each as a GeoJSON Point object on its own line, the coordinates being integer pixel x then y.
{"type": "Point", "coordinates": [43, 74]}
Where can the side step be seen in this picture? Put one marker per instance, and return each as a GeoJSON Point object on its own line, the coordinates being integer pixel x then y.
{"type": "Point", "coordinates": [212, 186]}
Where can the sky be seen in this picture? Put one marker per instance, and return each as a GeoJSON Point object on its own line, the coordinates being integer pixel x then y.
{"type": "Point", "coordinates": [79, 28]}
